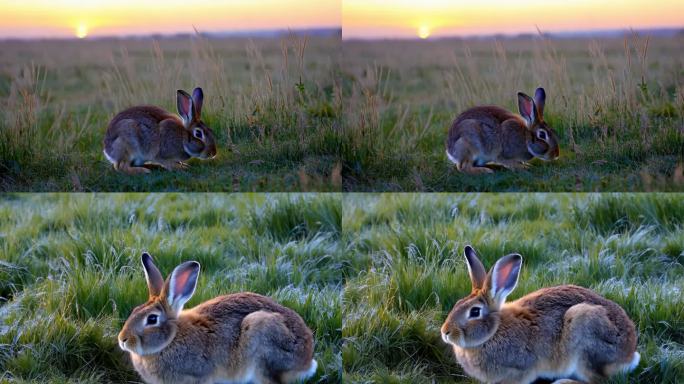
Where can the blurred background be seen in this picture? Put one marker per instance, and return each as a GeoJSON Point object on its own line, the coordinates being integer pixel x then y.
{"type": "Point", "coordinates": [613, 72]}
{"type": "Point", "coordinates": [411, 271]}
{"type": "Point", "coordinates": [267, 68]}
{"type": "Point", "coordinates": [372, 19]}
{"type": "Point", "coordinates": [78, 19]}
{"type": "Point", "coordinates": [70, 271]}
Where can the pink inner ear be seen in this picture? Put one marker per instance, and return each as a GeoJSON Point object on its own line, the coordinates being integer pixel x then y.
{"type": "Point", "coordinates": [181, 281]}
{"type": "Point", "coordinates": [503, 274]}
{"type": "Point", "coordinates": [185, 105]}
{"type": "Point", "coordinates": [527, 108]}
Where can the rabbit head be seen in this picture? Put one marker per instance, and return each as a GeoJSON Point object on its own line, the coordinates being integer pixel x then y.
{"type": "Point", "coordinates": [542, 142]}
{"type": "Point", "coordinates": [152, 326]}
{"type": "Point", "coordinates": [475, 318]}
{"type": "Point", "coordinates": [201, 142]}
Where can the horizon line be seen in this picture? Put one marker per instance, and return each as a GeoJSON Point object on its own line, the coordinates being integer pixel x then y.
{"type": "Point", "coordinates": [594, 32]}
{"type": "Point", "coordinates": [246, 33]}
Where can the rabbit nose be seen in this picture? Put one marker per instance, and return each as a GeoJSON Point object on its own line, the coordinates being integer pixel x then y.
{"type": "Point", "coordinates": [124, 339]}
{"type": "Point", "coordinates": [445, 330]}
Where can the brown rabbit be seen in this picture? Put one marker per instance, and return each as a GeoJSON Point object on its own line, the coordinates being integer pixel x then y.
{"type": "Point", "coordinates": [239, 338]}
{"type": "Point", "coordinates": [147, 134]}
{"type": "Point", "coordinates": [490, 134]}
{"type": "Point", "coordinates": [566, 333]}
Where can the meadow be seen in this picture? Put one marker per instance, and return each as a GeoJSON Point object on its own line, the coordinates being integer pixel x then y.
{"type": "Point", "coordinates": [273, 104]}
{"type": "Point", "coordinates": [617, 105]}
{"type": "Point", "coordinates": [70, 271]}
{"type": "Point", "coordinates": [409, 248]}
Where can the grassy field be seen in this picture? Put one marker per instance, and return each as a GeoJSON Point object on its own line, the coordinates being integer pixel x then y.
{"type": "Point", "coordinates": [616, 104]}
{"type": "Point", "coordinates": [272, 102]}
{"type": "Point", "coordinates": [629, 248]}
{"type": "Point", "coordinates": [70, 271]}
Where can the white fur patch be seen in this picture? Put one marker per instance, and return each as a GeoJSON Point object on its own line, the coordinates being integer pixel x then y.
{"type": "Point", "coordinates": [456, 343]}
{"type": "Point", "coordinates": [300, 376]}
{"type": "Point", "coordinates": [135, 351]}
{"type": "Point", "coordinates": [445, 338]}
{"type": "Point", "coordinates": [634, 363]}
{"type": "Point", "coordinates": [248, 377]}
{"type": "Point", "coordinates": [451, 158]}
{"type": "Point", "coordinates": [109, 158]}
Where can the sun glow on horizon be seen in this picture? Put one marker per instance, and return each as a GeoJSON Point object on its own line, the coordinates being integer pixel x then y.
{"type": "Point", "coordinates": [424, 32]}
{"type": "Point", "coordinates": [82, 31]}
{"type": "Point", "coordinates": [411, 19]}
{"type": "Point", "coordinates": [77, 18]}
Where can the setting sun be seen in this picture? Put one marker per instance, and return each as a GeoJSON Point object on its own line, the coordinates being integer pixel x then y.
{"type": "Point", "coordinates": [369, 19]}
{"type": "Point", "coordinates": [81, 31]}
{"type": "Point", "coordinates": [77, 18]}
{"type": "Point", "coordinates": [424, 32]}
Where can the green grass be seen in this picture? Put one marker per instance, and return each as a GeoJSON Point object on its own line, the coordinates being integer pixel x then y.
{"type": "Point", "coordinates": [70, 271]}
{"type": "Point", "coordinates": [373, 275]}
{"type": "Point", "coordinates": [409, 271]}
{"type": "Point", "coordinates": [617, 106]}
{"type": "Point", "coordinates": [272, 103]}
{"type": "Point", "coordinates": [293, 114]}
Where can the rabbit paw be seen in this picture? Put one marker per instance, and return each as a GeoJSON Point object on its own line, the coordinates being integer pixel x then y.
{"type": "Point", "coordinates": [134, 170]}
{"type": "Point", "coordinates": [173, 165]}
{"type": "Point", "coordinates": [476, 170]}
{"type": "Point", "coordinates": [514, 165]}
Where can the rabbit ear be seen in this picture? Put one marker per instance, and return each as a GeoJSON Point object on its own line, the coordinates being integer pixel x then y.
{"type": "Point", "coordinates": [539, 99]}
{"type": "Point", "coordinates": [185, 109]}
{"type": "Point", "coordinates": [527, 109]}
{"type": "Point", "coordinates": [504, 277]}
{"type": "Point", "coordinates": [476, 270]}
{"type": "Point", "coordinates": [155, 281]}
{"type": "Point", "coordinates": [181, 285]}
{"type": "Point", "coordinates": [197, 98]}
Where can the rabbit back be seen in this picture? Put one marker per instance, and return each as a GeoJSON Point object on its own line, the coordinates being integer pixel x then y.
{"type": "Point", "coordinates": [554, 332]}
{"type": "Point", "coordinates": [488, 114]}
{"type": "Point", "coordinates": [135, 134]}
{"type": "Point", "coordinates": [488, 118]}
{"type": "Point", "coordinates": [490, 134]}
{"type": "Point", "coordinates": [590, 325]}
{"type": "Point", "coordinates": [487, 134]}
{"type": "Point", "coordinates": [558, 332]}
{"type": "Point", "coordinates": [283, 327]}
{"type": "Point", "coordinates": [241, 337]}
{"type": "Point", "coordinates": [147, 120]}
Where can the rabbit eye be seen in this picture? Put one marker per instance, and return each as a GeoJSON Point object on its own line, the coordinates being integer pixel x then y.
{"type": "Point", "coordinates": [198, 133]}
{"type": "Point", "coordinates": [474, 312]}
{"type": "Point", "coordinates": [541, 134]}
{"type": "Point", "coordinates": [152, 319]}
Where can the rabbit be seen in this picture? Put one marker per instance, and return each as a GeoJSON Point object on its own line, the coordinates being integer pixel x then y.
{"type": "Point", "coordinates": [237, 338]}
{"type": "Point", "coordinates": [149, 134]}
{"type": "Point", "coordinates": [490, 134]}
{"type": "Point", "coordinates": [565, 333]}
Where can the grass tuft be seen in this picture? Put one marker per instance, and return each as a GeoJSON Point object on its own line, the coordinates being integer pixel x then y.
{"type": "Point", "coordinates": [71, 273]}
{"type": "Point", "coordinates": [272, 104]}
{"type": "Point", "coordinates": [409, 272]}
{"type": "Point", "coordinates": [618, 118]}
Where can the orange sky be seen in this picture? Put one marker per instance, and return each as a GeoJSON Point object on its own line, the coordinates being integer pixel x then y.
{"type": "Point", "coordinates": [64, 18]}
{"type": "Point", "coordinates": [406, 18]}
